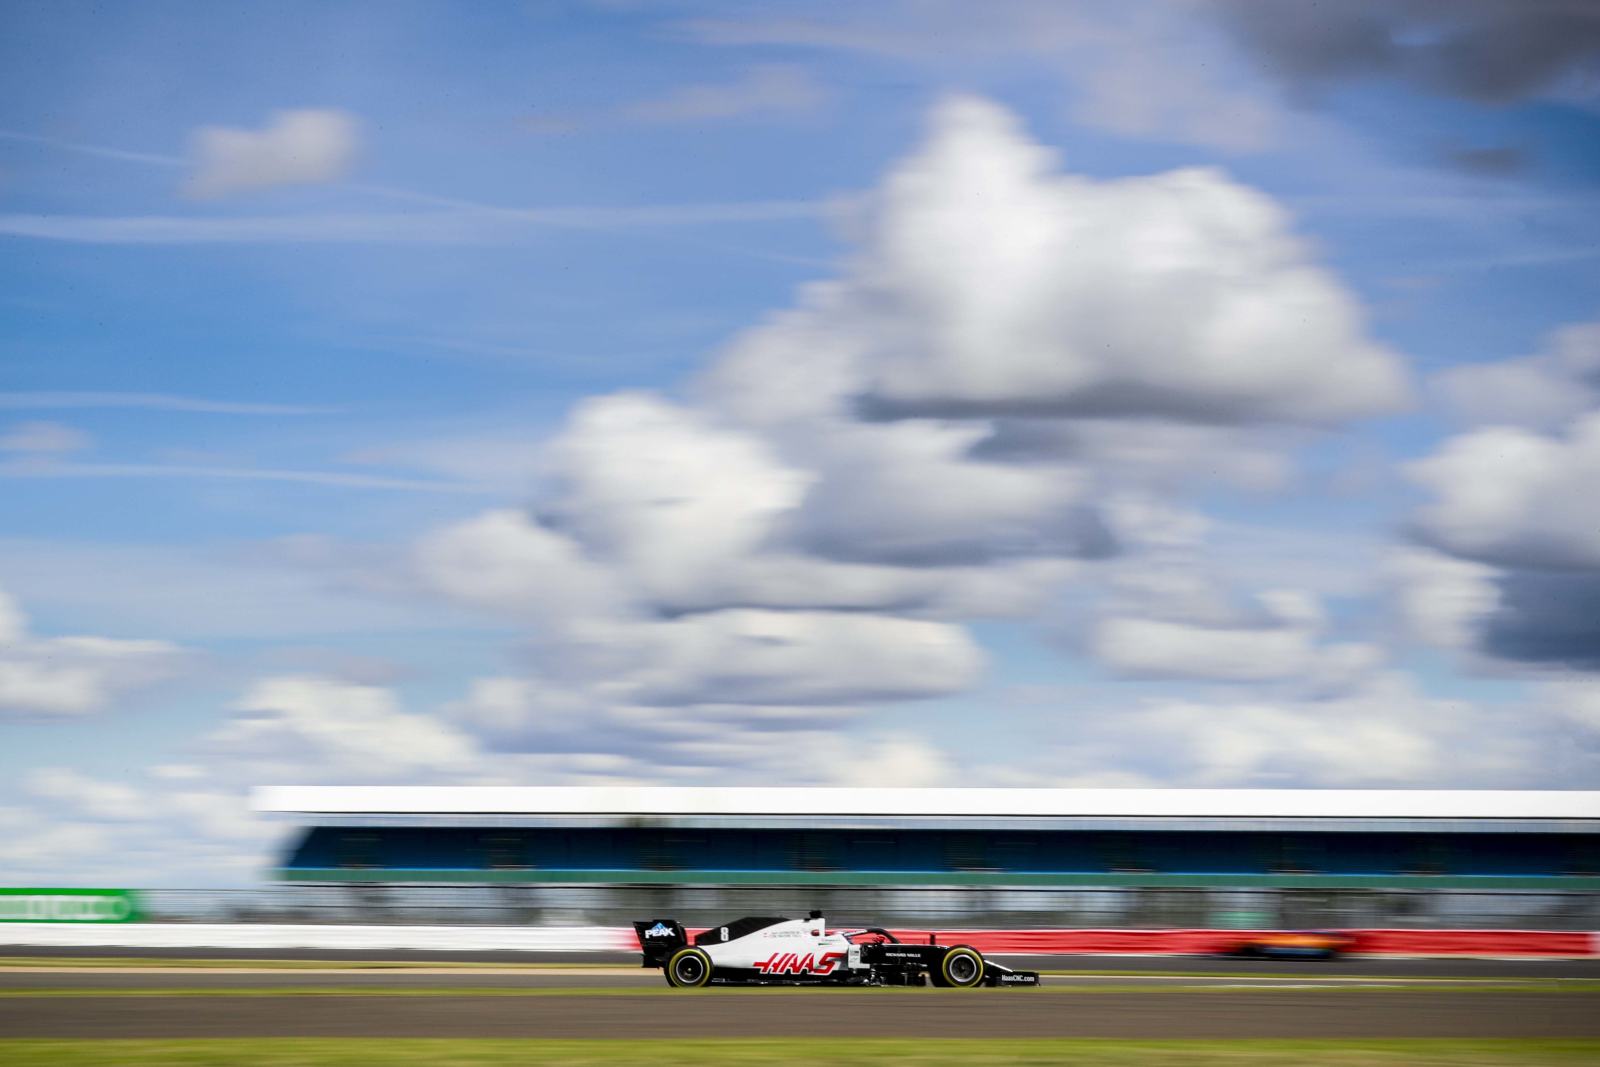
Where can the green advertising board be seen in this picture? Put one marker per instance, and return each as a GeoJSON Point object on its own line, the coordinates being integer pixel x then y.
{"type": "Point", "coordinates": [69, 906]}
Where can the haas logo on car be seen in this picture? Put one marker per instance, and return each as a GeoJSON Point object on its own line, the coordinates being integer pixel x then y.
{"type": "Point", "coordinates": [794, 963]}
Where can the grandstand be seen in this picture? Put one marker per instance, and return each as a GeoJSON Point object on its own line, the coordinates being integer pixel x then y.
{"type": "Point", "coordinates": [1135, 857]}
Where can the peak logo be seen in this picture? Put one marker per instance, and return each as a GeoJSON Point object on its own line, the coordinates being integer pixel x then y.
{"type": "Point", "coordinates": [659, 930]}
{"type": "Point", "coordinates": [794, 963]}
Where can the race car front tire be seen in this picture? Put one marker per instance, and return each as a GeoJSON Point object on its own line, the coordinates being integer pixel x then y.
{"type": "Point", "coordinates": [688, 968]}
{"type": "Point", "coordinates": [961, 968]}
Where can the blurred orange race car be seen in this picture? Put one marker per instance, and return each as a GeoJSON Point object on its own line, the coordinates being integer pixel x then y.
{"type": "Point", "coordinates": [1291, 945]}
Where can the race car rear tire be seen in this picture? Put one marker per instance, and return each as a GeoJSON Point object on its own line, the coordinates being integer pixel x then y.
{"type": "Point", "coordinates": [688, 968]}
{"type": "Point", "coordinates": [961, 968]}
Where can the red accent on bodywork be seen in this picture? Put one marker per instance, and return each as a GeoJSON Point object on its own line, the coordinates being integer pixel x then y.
{"type": "Point", "coordinates": [791, 963]}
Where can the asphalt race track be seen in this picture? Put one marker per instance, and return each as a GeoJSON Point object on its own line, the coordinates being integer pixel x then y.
{"type": "Point", "coordinates": [1271, 1001]}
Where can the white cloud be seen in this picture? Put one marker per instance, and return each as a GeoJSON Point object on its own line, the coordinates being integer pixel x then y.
{"type": "Point", "coordinates": [78, 829]}
{"type": "Point", "coordinates": [668, 494]}
{"type": "Point", "coordinates": [1577, 701]}
{"type": "Point", "coordinates": [518, 709]}
{"type": "Point", "coordinates": [32, 843]}
{"type": "Point", "coordinates": [1539, 392]}
{"type": "Point", "coordinates": [1202, 636]}
{"type": "Point", "coordinates": [1349, 742]}
{"type": "Point", "coordinates": [667, 508]}
{"type": "Point", "coordinates": [1512, 497]}
{"type": "Point", "coordinates": [1158, 647]}
{"type": "Point", "coordinates": [309, 728]}
{"type": "Point", "coordinates": [300, 147]}
{"type": "Point", "coordinates": [1515, 499]}
{"type": "Point", "coordinates": [505, 561]}
{"type": "Point", "coordinates": [772, 657]}
{"type": "Point", "coordinates": [13, 623]}
{"type": "Point", "coordinates": [915, 492]}
{"type": "Point", "coordinates": [755, 658]}
{"type": "Point", "coordinates": [995, 284]}
{"type": "Point", "coordinates": [1383, 732]}
{"type": "Point", "coordinates": [895, 761]}
{"type": "Point", "coordinates": [109, 801]}
{"type": "Point", "coordinates": [991, 284]}
{"type": "Point", "coordinates": [74, 675]}
{"type": "Point", "coordinates": [1442, 601]}
{"type": "Point", "coordinates": [291, 590]}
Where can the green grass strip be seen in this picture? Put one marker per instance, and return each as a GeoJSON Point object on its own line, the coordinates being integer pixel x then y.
{"type": "Point", "coordinates": [945, 1052]}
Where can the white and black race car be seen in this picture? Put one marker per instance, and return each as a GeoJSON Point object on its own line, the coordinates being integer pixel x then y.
{"type": "Point", "coordinates": [760, 950]}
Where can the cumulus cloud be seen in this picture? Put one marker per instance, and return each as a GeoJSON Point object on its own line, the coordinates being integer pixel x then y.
{"type": "Point", "coordinates": [308, 146]}
{"type": "Point", "coordinates": [74, 675]}
{"type": "Point", "coordinates": [991, 283]}
{"type": "Point", "coordinates": [1512, 497]}
{"type": "Point", "coordinates": [1000, 285]}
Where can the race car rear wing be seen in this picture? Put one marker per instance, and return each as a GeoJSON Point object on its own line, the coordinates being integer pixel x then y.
{"type": "Point", "coordinates": [660, 938]}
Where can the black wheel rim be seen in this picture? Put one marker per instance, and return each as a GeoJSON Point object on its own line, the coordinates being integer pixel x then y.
{"type": "Point", "coordinates": [690, 970]}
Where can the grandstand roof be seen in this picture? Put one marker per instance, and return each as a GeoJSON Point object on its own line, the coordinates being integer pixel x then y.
{"type": "Point", "coordinates": [790, 803]}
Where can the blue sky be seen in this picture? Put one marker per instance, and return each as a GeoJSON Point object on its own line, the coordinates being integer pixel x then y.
{"type": "Point", "coordinates": [699, 392]}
